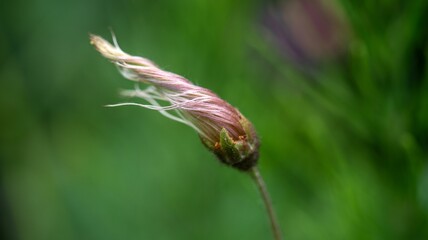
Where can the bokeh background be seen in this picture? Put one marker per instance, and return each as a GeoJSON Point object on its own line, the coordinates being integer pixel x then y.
{"type": "Point", "coordinates": [338, 91]}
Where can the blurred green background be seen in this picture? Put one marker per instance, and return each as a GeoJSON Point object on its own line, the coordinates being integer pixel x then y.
{"type": "Point", "coordinates": [338, 91]}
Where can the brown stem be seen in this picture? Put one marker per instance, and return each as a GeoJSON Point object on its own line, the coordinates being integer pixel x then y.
{"type": "Point", "coordinates": [255, 173]}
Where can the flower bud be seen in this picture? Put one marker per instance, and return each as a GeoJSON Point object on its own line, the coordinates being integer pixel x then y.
{"type": "Point", "coordinates": [221, 127]}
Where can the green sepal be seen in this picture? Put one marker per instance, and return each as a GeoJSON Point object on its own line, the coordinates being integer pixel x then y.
{"type": "Point", "coordinates": [228, 147]}
{"type": "Point", "coordinates": [207, 143]}
{"type": "Point", "coordinates": [248, 128]}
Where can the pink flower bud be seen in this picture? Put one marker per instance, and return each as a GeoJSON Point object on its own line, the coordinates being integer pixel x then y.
{"type": "Point", "coordinates": [221, 127]}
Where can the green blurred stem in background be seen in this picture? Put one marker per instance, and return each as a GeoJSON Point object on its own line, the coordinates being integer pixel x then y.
{"type": "Point", "coordinates": [255, 174]}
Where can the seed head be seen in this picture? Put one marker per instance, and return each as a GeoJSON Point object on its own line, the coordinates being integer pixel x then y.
{"type": "Point", "coordinates": [221, 127]}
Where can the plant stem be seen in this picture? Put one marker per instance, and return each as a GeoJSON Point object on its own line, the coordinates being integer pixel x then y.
{"type": "Point", "coordinates": [255, 174]}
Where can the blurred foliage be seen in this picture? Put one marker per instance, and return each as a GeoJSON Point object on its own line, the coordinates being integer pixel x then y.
{"type": "Point", "coordinates": [344, 139]}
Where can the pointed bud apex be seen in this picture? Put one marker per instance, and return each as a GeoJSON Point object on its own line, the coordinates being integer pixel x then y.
{"type": "Point", "coordinates": [221, 127]}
